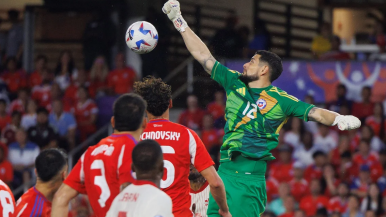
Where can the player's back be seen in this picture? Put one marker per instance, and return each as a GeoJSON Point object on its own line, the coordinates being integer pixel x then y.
{"type": "Point", "coordinates": [7, 201]}
{"type": "Point", "coordinates": [33, 203]}
{"type": "Point", "coordinates": [181, 147]}
{"type": "Point", "coordinates": [103, 168]}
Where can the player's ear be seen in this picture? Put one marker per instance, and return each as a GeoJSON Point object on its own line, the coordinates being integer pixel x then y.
{"type": "Point", "coordinates": [36, 173]}
{"type": "Point", "coordinates": [170, 103]}
{"type": "Point", "coordinates": [112, 122]}
{"type": "Point", "coordinates": [144, 123]}
{"type": "Point", "coordinates": [133, 168]}
{"type": "Point", "coordinates": [265, 70]}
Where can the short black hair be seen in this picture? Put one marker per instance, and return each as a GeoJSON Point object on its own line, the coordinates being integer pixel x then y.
{"type": "Point", "coordinates": [2, 101]}
{"type": "Point", "coordinates": [129, 110]}
{"type": "Point", "coordinates": [49, 163]}
{"type": "Point", "coordinates": [342, 86]}
{"type": "Point", "coordinates": [156, 93]}
{"type": "Point", "coordinates": [346, 154]}
{"type": "Point", "coordinates": [42, 110]}
{"type": "Point", "coordinates": [274, 63]}
{"type": "Point", "coordinates": [146, 154]}
{"type": "Point", "coordinates": [318, 153]}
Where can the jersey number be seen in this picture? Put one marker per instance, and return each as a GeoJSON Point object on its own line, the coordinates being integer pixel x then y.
{"type": "Point", "coordinates": [101, 182]}
{"type": "Point", "coordinates": [169, 167]}
{"type": "Point", "coordinates": [7, 203]}
{"type": "Point", "coordinates": [250, 112]}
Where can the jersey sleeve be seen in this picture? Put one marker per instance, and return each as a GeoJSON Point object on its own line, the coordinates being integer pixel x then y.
{"type": "Point", "coordinates": [199, 156]}
{"type": "Point", "coordinates": [76, 177]}
{"type": "Point", "coordinates": [223, 75]}
{"type": "Point", "coordinates": [124, 165]}
{"type": "Point", "coordinates": [293, 107]}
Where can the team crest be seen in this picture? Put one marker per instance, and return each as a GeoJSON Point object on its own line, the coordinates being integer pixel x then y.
{"type": "Point", "coordinates": [261, 103]}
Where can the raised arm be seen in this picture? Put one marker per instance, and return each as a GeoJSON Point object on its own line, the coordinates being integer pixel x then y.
{"type": "Point", "coordinates": [330, 118]}
{"type": "Point", "coordinates": [62, 199]}
{"type": "Point", "coordinates": [196, 47]}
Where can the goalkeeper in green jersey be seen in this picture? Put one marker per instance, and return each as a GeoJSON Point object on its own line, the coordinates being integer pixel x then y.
{"type": "Point", "coordinates": [255, 112]}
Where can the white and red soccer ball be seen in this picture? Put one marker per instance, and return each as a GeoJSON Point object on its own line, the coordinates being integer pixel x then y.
{"type": "Point", "coordinates": [141, 37]}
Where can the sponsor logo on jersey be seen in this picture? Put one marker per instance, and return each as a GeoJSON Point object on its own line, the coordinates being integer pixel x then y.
{"type": "Point", "coordinates": [261, 103]}
{"type": "Point", "coordinates": [164, 135]}
{"type": "Point", "coordinates": [157, 125]}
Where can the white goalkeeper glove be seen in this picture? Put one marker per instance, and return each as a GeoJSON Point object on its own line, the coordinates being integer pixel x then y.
{"type": "Point", "coordinates": [172, 9]}
{"type": "Point", "coordinates": [347, 122]}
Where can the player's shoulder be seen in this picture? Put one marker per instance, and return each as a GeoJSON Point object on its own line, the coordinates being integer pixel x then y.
{"type": "Point", "coordinates": [278, 93]}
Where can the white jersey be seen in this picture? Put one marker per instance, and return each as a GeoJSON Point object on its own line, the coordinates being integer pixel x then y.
{"type": "Point", "coordinates": [142, 199]}
{"type": "Point", "coordinates": [200, 200]}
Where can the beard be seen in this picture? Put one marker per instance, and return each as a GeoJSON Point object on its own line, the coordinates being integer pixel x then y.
{"type": "Point", "coordinates": [246, 79]}
{"type": "Point", "coordinates": [194, 176]}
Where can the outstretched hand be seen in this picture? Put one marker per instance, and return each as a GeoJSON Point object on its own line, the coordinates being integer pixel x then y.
{"type": "Point", "coordinates": [172, 9]}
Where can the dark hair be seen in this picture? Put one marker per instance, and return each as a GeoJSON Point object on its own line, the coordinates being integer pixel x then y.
{"type": "Point", "coordinates": [145, 155]}
{"type": "Point", "coordinates": [321, 211]}
{"type": "Point", "coordinates": [342, 86]}
{"type": "Point", "coordinates": [49, 163]}
{"type": "Point", "coordinates": [274, 63]}
{"type": "Point", "coordinates": [318, 153]}
{"type": "Point", "coordinates": [379, 209]}
{"type": "Point", "coordinates": [71, 64]}
{"type": "Point", "coordinates": [156, 93]}
{"type": "Point", "coordinates": [2, 101]}
{"type": "Point", "coordinates": [41, 57]}
{"type": "Point", "coordinates": [42, 110]}
{"type": "Point", "coordinates": [129, 110]}
{"type": "Point", "coordinates": [346, 154]}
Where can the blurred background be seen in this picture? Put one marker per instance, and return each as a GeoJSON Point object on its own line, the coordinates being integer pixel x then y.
{"type": "Point", "coordinates": [64, 62]}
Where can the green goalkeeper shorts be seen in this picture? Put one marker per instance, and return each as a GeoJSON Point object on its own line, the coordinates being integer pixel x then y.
{"type": "Point", "coordinates": [244, 181]}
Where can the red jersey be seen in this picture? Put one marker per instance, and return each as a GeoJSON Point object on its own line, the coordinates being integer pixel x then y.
{"type": "Point", "coordinates": [362, 110]}
{"type": "Point", "coordinates": [82, 113]}
{"type": "Point", "coordinates": [35, 79]}
{"type": "Point", "coordinates": [371, 159]}
{"type": "Point", "coordinates": [375, 125]}
{"type": "Point", "coordinates": [310, 204]}
{"type": "Point", "coordinates": [312, 172]}
{"type": "Point", "coordinates": [71, 93]}
{"type": "Point", "coordinates": [6, 171]}
{"type": "Point", "coordinates": [15, 81]}
{"type": "Point", "coordinates": [95, 85]}
{"type": "Point", "coordinates": [7, 201]}
{"type": "Point", "coordinates": [281, 172]}
{"type": "Point", "coordinates": [181, 147]}
{"type": "Point", "coordinates": [121, 80]}
{"type": "Point", "coordinates": [216, 110]}
{"type": "Point", "coordinates": [193, 120]}
{"type": "Point", "coordinates": [336, 204]}
{"type": "Point", "coordinates": [211, 138]}
{"type": "Point", "coordinates": [33, 203]}
{"type": "Point", "coordinates": [17, 105]}
{"type": "Point", "coordinates": [272, 186]}
{"type": "Point", "coordinates": [299, 189]}
{"type": "Point", "coordinates": [42, 95]}
{"type": "Point", "coordinates": [4, 121]}
{"type": "Point", "coordinates": [102, 169]}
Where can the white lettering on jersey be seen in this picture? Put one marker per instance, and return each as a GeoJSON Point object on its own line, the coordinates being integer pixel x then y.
{"type": "Point", "coordinates": [164, 135]}
{"type": "Point", "coordinates": [107, 150]}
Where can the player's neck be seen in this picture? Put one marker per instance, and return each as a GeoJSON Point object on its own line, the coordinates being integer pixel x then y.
{"type": "Point", "coordinates": [48, 189]}
{"type": "Point", "coordinates": [165, 115]}
{"type": "Point", "coordinates": [196, 184]}
{"type": "Point", "coordinates": [136, 134]}
{"type": "Point", "coordinates": [155, 180]}
{"type": "Point", "coordinates": [259, 84]}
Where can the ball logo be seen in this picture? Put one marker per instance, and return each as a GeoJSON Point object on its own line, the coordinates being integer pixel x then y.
{"type": "Point", "coordinates": [261, 103]}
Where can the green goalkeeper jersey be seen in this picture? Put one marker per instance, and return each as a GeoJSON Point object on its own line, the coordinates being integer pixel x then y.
{"type": "Point", "coordinates": [254, 116]}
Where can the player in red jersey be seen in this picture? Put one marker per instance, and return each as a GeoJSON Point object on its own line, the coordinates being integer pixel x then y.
{"type": "Point", "coordinates": [181, 147]}
{"type": "Point", "coordinates": [7, 201]}
{"type": "Point", "coordinates": [106, 167]}
{"type": "Point", "coordinates": [51, 169]}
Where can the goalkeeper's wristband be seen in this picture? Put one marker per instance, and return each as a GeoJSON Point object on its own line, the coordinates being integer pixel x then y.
{"type": "Point", "coordinates": [337, 119]}
{"type": "Point", "coordinates": [179, 23]}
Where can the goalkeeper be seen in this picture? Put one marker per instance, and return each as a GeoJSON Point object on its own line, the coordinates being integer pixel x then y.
{"type": "Point", "coordinates": [255, 112]}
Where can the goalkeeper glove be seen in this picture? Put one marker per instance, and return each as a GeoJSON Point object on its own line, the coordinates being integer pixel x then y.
{"type": "Point", "coordinates": [347, 122]}
{"type": "Point", "coordinates": [172, 9]}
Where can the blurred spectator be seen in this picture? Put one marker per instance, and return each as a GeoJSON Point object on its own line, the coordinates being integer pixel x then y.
{"type": "Point", "coordinates": [370, 213]}
{"type": "Point", "coordinates": [64, 124]}
{"type": "Point", "coordinates": [360, 185]}
{"type": "Point", "coordinates": [377, 121]}
{"type": "Point", "coordinates": [382, 181]}
{"type": "Point", "coordinates": [29, 118]}
{"type": "Point", "coordinates": [339, 202]}
{"type": "Point", "coordinates": [353, 207]}
{"type": "Point", "coordinates": [192, 117]}
{"type": "Point", "coordinates": [42, 93]}
{"type": "Point", "coordinates": [71, 93]}
{"type": "Point", "coordinates": [376, 143]}
{"type": "Point", "coordinates": [20, 103]}
{"type": "Point", "coordinates": [314, 171]}
{"type": "Point", "coordinates": [303, 153]}
{"type": "Point", "coordinates": [282, 169]}
{"type": "Point", "coordinates": [373, 201]}
{"type": "Point", "coordinates": [341, 99]}
{"type": "Point", "coordinates": [261, 39]}
{"type": "Point", "coordinates": [36, 77]}
{"type": "Point", "coordinates": [289, 206]}
{"type": "Point", "coordinates": [6, 170]}
{"type": "Point", "coordinates": [329, 181]}
{"type": "Point", "coordinates": [272, 186]}
{"type": "Point", "coordinates": [22, 154]}
{"type": "Point", "coordinates": [347, 170]}
{"type": "Point", "coordinates": [326, 140]}
{"type": "Point", "coordinates": [14, 78]}
{"type": "Point", "coordinates": [292, 137]}
{"type": "Point", "coordinates": [335, 53]}
{"type": "Point", "coordinates": [122, 78]}
{"type": "Point", "coordinates": [365, 156]}
{"type": "Point", "coordinates": [343, 146]}
{"type": "Point", "coordinates": [227, 43]}
{"type": "Point", "coordinates": [99, 35]}
{"type": "Point", "coordinates": [9, 132]}
{"type": "Point", "coordinates": [217, 107]}
{"type": "Point", "coordinates": [315, 200]}
{"type": "Point", "coordinates": [42, 134]}
{"type": "Point", "coordinates": [310, 126]}
{"type": "Point", "coordinates": [5, 119]}
{"type": "Point", "coordinates": [321, 212]}
{"type": "Point", "coordinates": [98, 75]}
{"type": "Point", "coordinates": [15, 36]}
{"type": "Point", "coordinates": [299, 213]}
{"type": "Point", "coordinates": [85, 112]}
{"type": "Point", "coordinates": [322, 42]}
{"type": "Point", "coordinates": [65, 70]}
{"type": "Point", "coordinates": [299, 186]}
{"type": "Point", "coordinates": [210, 136]}
{"type": "Point", "coordinates": [244, 32]}
{"type": "Point", "coordinates": [365, 108]}
{"type": "Point", "coordinates": [276, 206]}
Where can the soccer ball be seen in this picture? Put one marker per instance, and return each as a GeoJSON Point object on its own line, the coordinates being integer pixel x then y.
{"type": "Point", "coordinates": [141, 37]}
